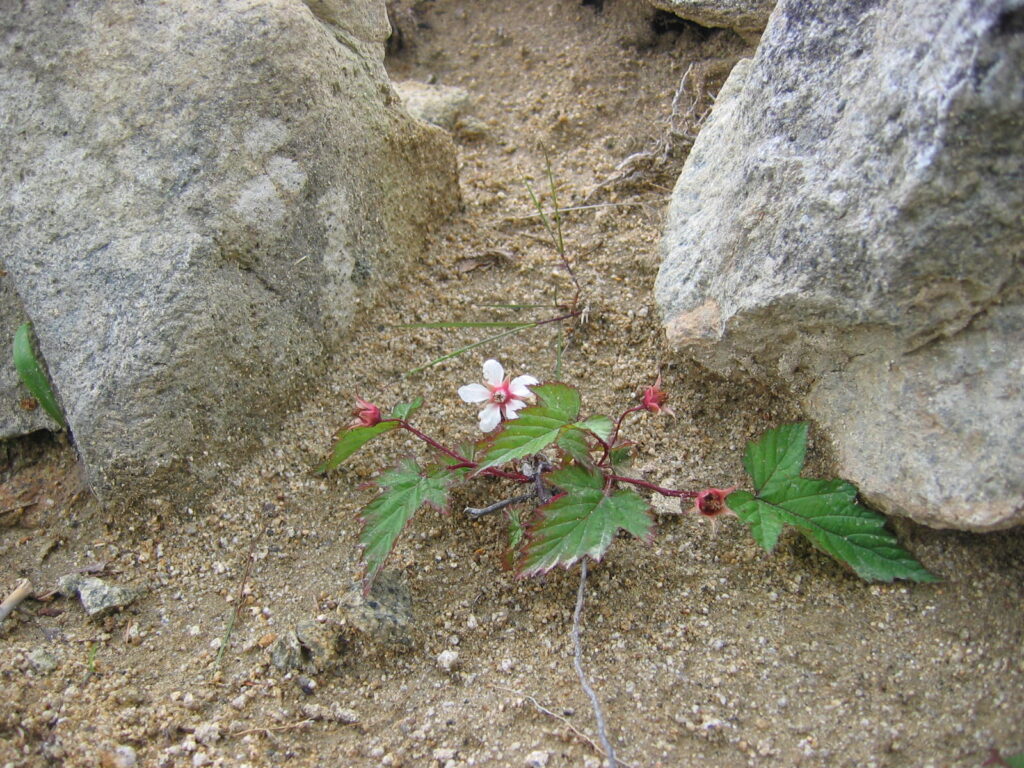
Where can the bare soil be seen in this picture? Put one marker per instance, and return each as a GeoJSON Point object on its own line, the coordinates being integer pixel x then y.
{"type": "Point", "coordinates": [704, 649]}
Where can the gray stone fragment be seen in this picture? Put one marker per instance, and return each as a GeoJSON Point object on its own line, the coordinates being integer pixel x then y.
{"type": "Point", "coordinates": [448, 660]}
{"type": "Point", "coordinates": [385, 615]}
{"type": "Point", "coordinates": [208, 733]}
{"type": "Point", "coordinates": [123, 756]}
{"type": "Point", "coordinates": [747, 17]}
{"type": "Point", "coordinates": [311, 647]}
{"type": "Point", "coordinates": [42, 661]}
{"type": "Point", "coordinates": [286, 652]}
{"type": "Point", "coordinates": [197, 199]}
{"type": "Point", "coordinates": [849, 224]}
{"type": "Point", "coordinates": [439, 105]}
{"type": "Point", "coordinates": [98, 598]}
{"type": "Point", "coordinates": [334, 713]}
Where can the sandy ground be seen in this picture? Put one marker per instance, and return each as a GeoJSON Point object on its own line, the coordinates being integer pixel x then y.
{"type": "Point", "coordinates": [704, 650]}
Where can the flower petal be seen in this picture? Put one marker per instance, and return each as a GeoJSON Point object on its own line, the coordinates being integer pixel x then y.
{"type": "Point", "coordinates": [519, 385]}
{"type": "Point", "coordinates": [474, 393]}
{"type": "Point", "coordinates": [490, 417]}
{"type": "Point", "coordinates": [512, 406]}
{"type": "Point", "coordinates": [494, 374]}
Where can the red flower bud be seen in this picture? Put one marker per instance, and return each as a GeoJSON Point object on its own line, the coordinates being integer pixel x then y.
{"type": "Point", "coordinates": [366, 414]}
{"type": "Point", "coordinates": [711, 502]}
{"type": "Point", "coordinates": [654, 399]}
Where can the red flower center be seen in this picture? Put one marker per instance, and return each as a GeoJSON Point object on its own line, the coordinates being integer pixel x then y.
{"type": "Point", "coordinates": [501, 393]}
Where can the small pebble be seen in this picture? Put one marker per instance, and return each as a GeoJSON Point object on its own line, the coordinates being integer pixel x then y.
{"type": "Point", "coordinates": [207, 733]}
{"type": "Point", "coordinates": [42, 661]}
{"type": "Point", "coordinates": [444, 754]}
{"type": "Point", "coordinates": [448, 660]}
{"type": "Point", "coordinates": [537, 759]}
{"type": "Point", "coordinates": [123, 756]}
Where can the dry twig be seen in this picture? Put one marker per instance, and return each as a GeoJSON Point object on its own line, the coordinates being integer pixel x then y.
{"type": "Point", "coordinates": [565, 721]}
{"type": "Point", "coordinates": [267, 729]}
{"type": "Point", "coordinates": [13, 600]}
{"type": "Point", "coordinates": [240, 599]}
{"type": "Point", "coordinates": [682, 132]}
{"type": "Point", "coordinates": [577, 661]}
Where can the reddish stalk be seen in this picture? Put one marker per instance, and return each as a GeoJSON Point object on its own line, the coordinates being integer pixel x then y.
{"type": "Point", "coordinates": [656, 488]}
{"type": "Point", "coordinates": [615, 432]}
{"type": "Point", "coordinates": [462, 461]}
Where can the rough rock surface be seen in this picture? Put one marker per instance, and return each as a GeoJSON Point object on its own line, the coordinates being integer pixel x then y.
{"type": "Point", "coordinates": [747, 17]}
{"type": "Point", "coordinates": [197, 196]}
{"type": "Point", "coordinates": [849, 222]}
{"type": "Point", "coordinates": [439, 105]}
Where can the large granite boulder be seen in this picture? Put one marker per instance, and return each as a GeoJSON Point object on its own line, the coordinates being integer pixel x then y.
{"type": "Point", "coordinates": [197, 197]}
{"type": "Point", "coordinates": [849, 222]}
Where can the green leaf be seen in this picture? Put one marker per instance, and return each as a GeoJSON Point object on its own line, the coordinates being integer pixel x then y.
{"type": "Point", "coordinates": [406, 489]}
{"type": "Point", "coordinates": [575, 440]}
{"type": "Point", "coordinates": [777, 457]}
{"type": "Point", "coordinates": [601, 426]}
{"type": "Point", "coordinates": [825, 511]}
{"type": "Point", "coordinates": [536, 428]}
{"type": "Point", "coordinates": [582, 521]}
{"type": "Point", "coordinates": [352, 440]}
{"type": "Point", "coordinates": [621, 456]}
{"type": "Point", "coordinates": [574, 443]}
{"type": "Point", "coordinates": [404, 410]}
{"type": "Point", "coordinates": [515, 530]}
{"type": "Point", "coordinates": [32, 375]}
{"type": "Point", "coordinates": [516, 533]}
{"type": "Point", "coordinates": [765, 525]}
{"type": "Point", "coordinates": [561, 400]}
{"type": "Point", "coordinates": [1015, 761]}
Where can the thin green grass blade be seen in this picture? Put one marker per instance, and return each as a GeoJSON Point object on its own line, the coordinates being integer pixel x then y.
{"type": "Point", "coordinates": [474, 345]}
{"type": "Point", "coordinates": [556, 215]}
{"type": "Point", "coordinates": [32, 375]}
{"type": "Point", "coordinates": [543, 216]}
{"type": "Point", "coordinates": [481, 324]}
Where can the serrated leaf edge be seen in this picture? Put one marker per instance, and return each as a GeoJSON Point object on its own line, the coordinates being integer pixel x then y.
{"type": "Point", "coordinates": [530, 530]}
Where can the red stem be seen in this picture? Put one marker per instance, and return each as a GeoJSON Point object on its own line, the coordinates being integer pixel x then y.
{"type": "Point", "coordinates": [560, 318]}
{"type": "Point", "coordinates": [431, 441]}
{"type": "Point", "coordinates": [655, 488]}
{"type": "Point", "coordinates": [615, 433]}
{"type": "Point", "coordinates": [463, 462]}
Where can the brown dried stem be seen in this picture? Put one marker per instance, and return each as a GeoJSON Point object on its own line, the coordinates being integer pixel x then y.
{"type": "Point", "coordinates": [13, 600]}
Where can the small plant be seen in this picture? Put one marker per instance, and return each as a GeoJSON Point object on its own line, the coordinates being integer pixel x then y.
{"type": "Point", "coordinates": [575, 493]}
{"type": "Point", "coordinates": [1010, 761]}
{"type": "Point", "coordinates": [32, 375]}
{"type": "Point", "coordinates": [572, 476]}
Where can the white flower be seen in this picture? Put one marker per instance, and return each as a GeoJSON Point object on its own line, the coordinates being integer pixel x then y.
{"type": "Point", "coordinates": [503, 397]}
